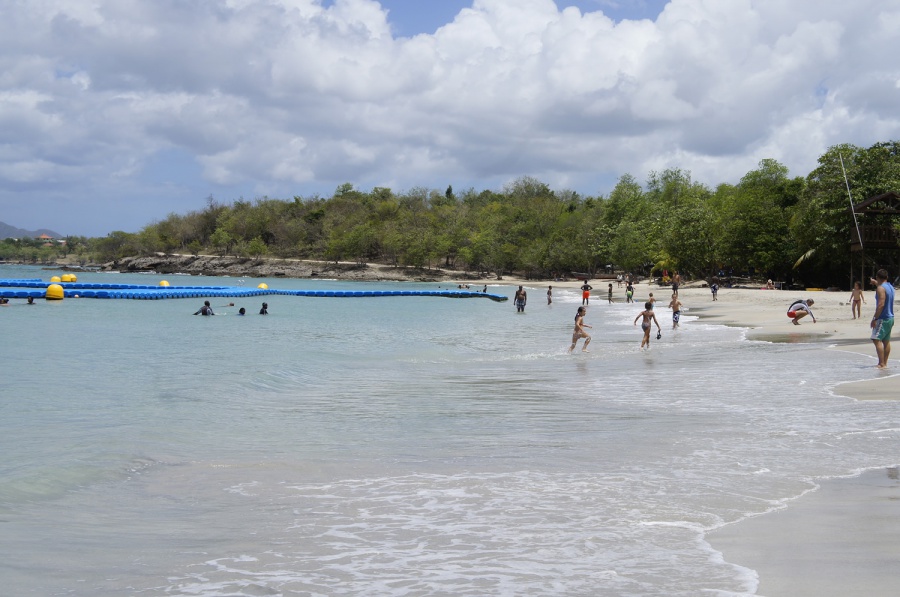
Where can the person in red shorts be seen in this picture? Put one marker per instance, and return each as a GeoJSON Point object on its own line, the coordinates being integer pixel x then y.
{"type": "Point", "coordinates": [800, 309]}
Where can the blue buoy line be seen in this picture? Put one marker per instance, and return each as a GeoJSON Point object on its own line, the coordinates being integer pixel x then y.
{"type": "Point", "coordinates": [37, 288]}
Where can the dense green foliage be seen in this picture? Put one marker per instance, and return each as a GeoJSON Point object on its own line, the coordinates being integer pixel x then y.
{"type": "Point", "coordinates": [768, 224]}
{"type": "Point", "coordinates": [33, 250]}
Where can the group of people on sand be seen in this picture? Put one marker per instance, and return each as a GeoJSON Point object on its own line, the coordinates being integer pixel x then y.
{"type": "Point", "coordinates": [882, 321]}
{"type": "Point", "coordinates": [206, 309]}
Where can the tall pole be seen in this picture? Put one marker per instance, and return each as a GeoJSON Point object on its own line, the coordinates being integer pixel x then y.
{"type": "Point", "coordinates": [862, 248]}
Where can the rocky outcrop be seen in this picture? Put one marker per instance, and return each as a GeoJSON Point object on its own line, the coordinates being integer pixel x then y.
{"type": "Point", "coordinates": [211, 265]}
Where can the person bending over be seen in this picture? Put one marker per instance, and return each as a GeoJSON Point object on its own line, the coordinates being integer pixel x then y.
{"type": "Point", "coordinates": [800, 309]}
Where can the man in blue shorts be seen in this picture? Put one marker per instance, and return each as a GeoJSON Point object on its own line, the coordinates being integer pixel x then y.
{"type": "Point", "coordinates": [883, 320]}
{"type": "Point", "coordinates": [520, 299]}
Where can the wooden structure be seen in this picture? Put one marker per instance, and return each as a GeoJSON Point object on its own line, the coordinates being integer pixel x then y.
{"type": "Point", "coordinates": [878, 219]}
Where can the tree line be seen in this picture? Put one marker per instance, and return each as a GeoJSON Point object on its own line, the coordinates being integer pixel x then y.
{"type": "Point", "coordinates": [768, 224]}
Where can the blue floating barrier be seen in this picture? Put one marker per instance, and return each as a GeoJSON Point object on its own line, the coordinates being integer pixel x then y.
{"type": "Point", "coordinates": [148, 292]}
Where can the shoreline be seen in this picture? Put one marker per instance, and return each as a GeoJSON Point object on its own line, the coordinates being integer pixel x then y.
{"type": "Point", "coordinates": [832, 540]}
{"type": "Point", "coordinates": [763, 314]}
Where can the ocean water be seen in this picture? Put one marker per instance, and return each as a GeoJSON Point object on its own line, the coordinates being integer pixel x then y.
{"type": "Point", "coordinates": [400, 446]}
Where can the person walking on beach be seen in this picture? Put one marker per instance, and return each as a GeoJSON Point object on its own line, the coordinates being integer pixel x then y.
{"type": "Point", "coordinates": [520, 299]}
{"type": "Point", "coordinates": [800, 309]}
{"type": "Point", "coordinates": [549, 294]}
{"type": "Point", "coordinates": [856, 300]}
{"type": "Point", "coordinates": [676, 282]}
{"type": "Point", "coordinates": [675, 305]}
{"type": "Point", "coordinates": [585, 293]}
{"type": "Point", "coordinates": [205, 309]}
{"type": "Point", "coordinates": [883, 319]}
{"type": "Point", "coordinates": [714, 288]}
{"type": "Point", "coordinates": [648, 316]}
{"type": "Point", "coordinates": [609, 295]}
{"type": "Point", "coordinates": [579, 331]}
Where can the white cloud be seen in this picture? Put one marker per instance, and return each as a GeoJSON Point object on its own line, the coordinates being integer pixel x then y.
{"type": "Point", "coordinates": [295, 97]}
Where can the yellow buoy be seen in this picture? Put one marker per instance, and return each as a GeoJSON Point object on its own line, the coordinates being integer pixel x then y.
{"type": "Point", "coordinates": [73, 277]}
{"type": "Point", "coordinates": [263, 286]}
{"type": "Point", "coordinates": [68, 278]}
{"type": "Point", "coordinates": [54, 293]}
{"type": "Point", "coordinates": [55, 279]}
{"type": "Point", "coordinates": [163, 282]}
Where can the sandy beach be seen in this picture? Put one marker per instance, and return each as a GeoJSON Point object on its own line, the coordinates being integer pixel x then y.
{"type": "Point", "coordinates": [840, 539]}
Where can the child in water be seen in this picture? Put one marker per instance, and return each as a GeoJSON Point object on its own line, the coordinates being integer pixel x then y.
{"type": "Point", "coordinates": [579, 331]}
{"type": "Point", "coordinates": [648, 316]}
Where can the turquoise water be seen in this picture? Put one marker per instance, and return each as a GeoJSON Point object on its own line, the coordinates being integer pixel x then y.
{"type": "Point", "coordinates": [400, 445]}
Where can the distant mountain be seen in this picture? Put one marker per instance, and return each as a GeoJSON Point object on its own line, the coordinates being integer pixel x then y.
{"type": "Point", "coordinates": [7, 231]}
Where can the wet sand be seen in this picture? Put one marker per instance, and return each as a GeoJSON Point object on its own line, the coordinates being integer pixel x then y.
{"type": "Point", "coordinates": [842, 540]}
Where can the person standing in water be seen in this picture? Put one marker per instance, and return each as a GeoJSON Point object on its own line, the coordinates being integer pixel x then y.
{"type": "Point", "coordinates": [609, 294]}
{"type": "Point", "coordinates": [579, 331]}
{"type": "Point", "coordinates": [520, 299]}
{"type": "Point", "coordinates": [856, 300]}
{"type": "Point", "coordinates": [586, 293]}
{"type": "Point", "coordinates": [883, 319]}
{"type": "Point", "coordinates": [649, 316]}
{"type": "Point", "coordinates": [549, 294]}
{"type": "Point", "coordinates": [629, 293]}
{"type": "Point", "coordinates": [265, 309]}
{"type": "Point", "coordinates": [675, 305]}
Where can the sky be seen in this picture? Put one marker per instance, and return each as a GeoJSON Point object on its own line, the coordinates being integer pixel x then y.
{"type": "Point", "coordinates": [116, 113]}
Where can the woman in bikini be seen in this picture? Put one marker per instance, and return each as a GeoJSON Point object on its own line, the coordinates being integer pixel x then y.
{"type": "Point", "coordinates": [648, 316]}
{"type": "Point", "coordinates": [856, 298]}
{"type": "Point", "coordinates": [579, 331]}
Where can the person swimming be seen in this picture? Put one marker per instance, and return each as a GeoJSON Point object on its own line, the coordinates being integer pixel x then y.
{"type": "Point", "coordinates": [265, 309]}
{"type": "Point", "coordinates": [205, 309]}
